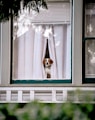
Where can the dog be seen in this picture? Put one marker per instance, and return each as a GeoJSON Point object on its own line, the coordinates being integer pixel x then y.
{"type": "Point", "coordinates": [47, 62]}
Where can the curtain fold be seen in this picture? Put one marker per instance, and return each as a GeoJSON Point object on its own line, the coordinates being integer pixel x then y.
{"type": "Point", "coordinates": [68, 53]}
{"type": "Point", "coordinates": [38, 55]}
{"type": "Point", "coordinates": [29, 49]}
{"type": "Point", "coordinates": [59, 42]}
{"type": "Point", "coordinates": [20, 59]}
{"type": "Point", "coordinates": [51, 43]}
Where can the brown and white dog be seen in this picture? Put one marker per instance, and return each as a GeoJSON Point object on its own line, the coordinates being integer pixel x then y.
{"type": "Point", "coordinates": [47, 62]}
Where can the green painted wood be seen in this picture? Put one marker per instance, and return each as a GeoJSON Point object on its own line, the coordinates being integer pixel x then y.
{"type": "Point", "coordinates": [40, 81]}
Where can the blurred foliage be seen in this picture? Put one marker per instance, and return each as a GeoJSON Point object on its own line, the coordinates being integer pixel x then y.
{"type": "Point", "coordinates": [10, 8]}
{"type": "Point", "coordinates": [46, 111]}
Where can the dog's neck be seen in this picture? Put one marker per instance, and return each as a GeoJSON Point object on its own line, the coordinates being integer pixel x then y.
{"type": "Point", "coordinates": [48, 66]}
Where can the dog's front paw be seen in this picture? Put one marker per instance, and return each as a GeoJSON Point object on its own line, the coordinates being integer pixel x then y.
{"type": "Point", "coordinates": [48, 76]}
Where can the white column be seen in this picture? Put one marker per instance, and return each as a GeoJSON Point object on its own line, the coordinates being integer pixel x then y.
{"type": "Point", "coordinates": [64, 95]}
{"type": "Point", "coordinates": [53, 95]}
{"type": "Point", "coordinates": [77, 42]}
{"type": "Point", "coordinates": [8, 95]}
{"type": "Point", "coordinates": [20, 96]}
{"type": "Point", "coordinates": [32, 97]}
{"type": "Point", "coordinates": [5, 53]}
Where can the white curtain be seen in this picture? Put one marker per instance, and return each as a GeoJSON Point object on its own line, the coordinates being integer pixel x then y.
{"type": "Point", "coordinates": [20, 58]}
{"type": "Point", "coordinates": [39, 51]}
{"type": "Point", "coordinates": [68, 53]}
{"type": "Point", "coordinates": [25, 55]}
{"type": "Point", "coordinates": [52, 51]}
{"type": "Point", "coordinates": [62, 37]}
{"type": "Point", "coordinates": [30, 52]}
{"type": "Point", "coordinates": [59, 45]}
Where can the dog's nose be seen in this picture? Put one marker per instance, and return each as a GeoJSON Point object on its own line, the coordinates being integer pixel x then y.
{"type": "Point", "coordinates": [47, 63]}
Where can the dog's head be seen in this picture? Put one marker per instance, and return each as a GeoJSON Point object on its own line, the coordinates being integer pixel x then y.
{"type": "Point", "coordinates": [47, 62]}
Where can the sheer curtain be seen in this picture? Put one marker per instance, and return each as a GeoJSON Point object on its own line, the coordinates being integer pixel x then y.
{"type": "Point", "coordinates": [68, 53]}
{"type": "Point", "coordinates": [29, 52]}
{"type": "Point", "coordinates": [25, 55]}
{"type": "Point", "coordinates": [62, 38]}
{"type": "Point", "coordinates": [39, 51]}
{"type": "Point", "coordinates": [52, 51]}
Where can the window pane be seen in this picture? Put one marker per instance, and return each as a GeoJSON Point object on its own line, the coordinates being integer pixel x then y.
{"type": "Point", "coordinates": [90, 59]}
{"type": "Point", "coordinates": [90, 20]}
{"type": "Point", "coordinates": [43, 35]}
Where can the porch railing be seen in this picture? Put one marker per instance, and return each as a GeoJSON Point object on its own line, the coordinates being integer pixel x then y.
{"type": "Point", "coordinates": [46, 94]}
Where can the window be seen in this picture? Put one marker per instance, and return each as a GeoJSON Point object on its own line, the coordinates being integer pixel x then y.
{"type": "Point", "coordinates": [75, 52]}
{"type": "Point", "coordinates": [89, 42]}
{"type": "Point", "coordinates": [40, 36]}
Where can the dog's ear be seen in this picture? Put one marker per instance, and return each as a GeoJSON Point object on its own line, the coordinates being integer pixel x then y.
{"type": "Point", "coordinates": [51, 61]}
{"type": "Point", "coordinates": [44, 62]}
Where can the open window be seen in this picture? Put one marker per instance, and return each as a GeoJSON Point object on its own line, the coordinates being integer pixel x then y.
{"type": "Point", "coordinates": [89, 42]}
{"type": "Point", "coordinates": [38, 36]}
